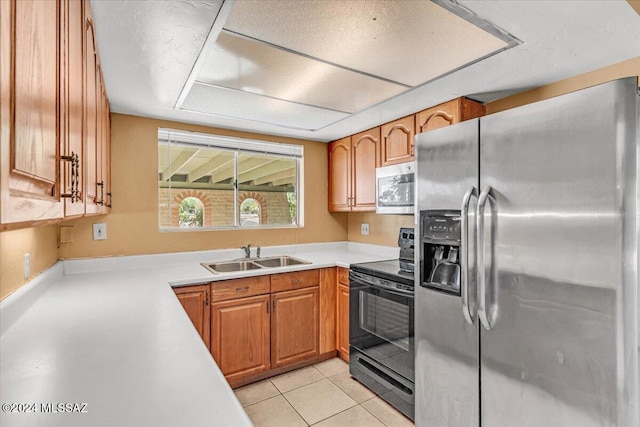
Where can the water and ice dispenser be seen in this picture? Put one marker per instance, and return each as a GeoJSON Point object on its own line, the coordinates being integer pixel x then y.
{"type": "Point", "coordinates": [440, 250]}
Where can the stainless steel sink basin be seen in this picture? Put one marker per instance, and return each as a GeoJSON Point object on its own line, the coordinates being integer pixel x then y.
{"type": "Point", "coordinates": [230, 266]}
{"type": "Point", "coordinates": [279, 261]}
{"type": "Point", "coordinates": [251, 264]}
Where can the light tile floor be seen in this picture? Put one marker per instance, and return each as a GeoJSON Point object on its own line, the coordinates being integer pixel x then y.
{"type": "Point", "coordinates": [320, 395]}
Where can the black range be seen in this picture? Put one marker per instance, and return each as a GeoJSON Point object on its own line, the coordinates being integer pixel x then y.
{"type": "Point", "coordinates": [381, 338]}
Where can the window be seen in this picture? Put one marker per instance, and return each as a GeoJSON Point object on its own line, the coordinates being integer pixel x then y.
{"type": "Point", "coordinates": [218, 182]}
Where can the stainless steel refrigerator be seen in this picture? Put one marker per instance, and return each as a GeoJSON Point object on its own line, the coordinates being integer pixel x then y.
{"type": "Point", "coordinates": [526, 302]}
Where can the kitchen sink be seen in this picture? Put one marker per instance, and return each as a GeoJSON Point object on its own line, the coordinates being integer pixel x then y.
{"type": "Point", "coordinates": [230, 266]}
{"type": "Point", "coordinates": [251, 264]}
{"type": "Point", "coordinates": [279, 261]}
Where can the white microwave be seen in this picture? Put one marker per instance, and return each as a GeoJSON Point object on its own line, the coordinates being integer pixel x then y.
{"type": "Point", "coordinates": [395, 185]}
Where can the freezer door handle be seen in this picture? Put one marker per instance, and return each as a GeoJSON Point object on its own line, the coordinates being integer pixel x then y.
{"type": "Point", "coordinates": [486, 194]}
{"type": "Point", "coordinates": [464, 253]}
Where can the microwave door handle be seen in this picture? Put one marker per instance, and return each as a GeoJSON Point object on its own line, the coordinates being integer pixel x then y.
{"type": "Point", "coordinates": [464, 253]}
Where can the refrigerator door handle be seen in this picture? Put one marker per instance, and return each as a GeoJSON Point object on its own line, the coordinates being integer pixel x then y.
{"type": "Point", "coordinates": [487, 192]}
{"type": "Point", "coordinates": [464, 253]}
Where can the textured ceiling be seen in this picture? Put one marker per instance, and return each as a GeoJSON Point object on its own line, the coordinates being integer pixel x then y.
{"type": "Point", "coordinates": [150, 51]}
{"type": "Point", "coordinates": [281, 57]}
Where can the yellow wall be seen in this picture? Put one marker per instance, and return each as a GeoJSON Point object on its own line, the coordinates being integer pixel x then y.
{"type": "Point", "coordinates": [383, 229]}
{"type": "Point", "coordinates": [132, 226]}
{"type": "Point", "coordinates": [627, 68]}
{"type": "Point", "coordinates": [39, 242]}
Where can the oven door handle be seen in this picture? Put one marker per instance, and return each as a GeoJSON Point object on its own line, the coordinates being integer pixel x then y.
{"type": "Point", "coordinates": [353, 279]}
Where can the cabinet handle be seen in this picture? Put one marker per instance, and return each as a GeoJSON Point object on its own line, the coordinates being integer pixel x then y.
{"type": "Point", "coordinates": [206, 302]}
{"type": "Point", "coordinates": [267, 304]}
{"type": "Point", "coordinates": [343, 278]}
{"type": "Point", "coordinates": [274, 306]}
{"type": "Point", "coordinates": [74, 195]}
{"type": "Point", "coordinates": [242, 289]}
{"type": "Point", "coordinates": [296, 281]}
{"type": "Point", "coordinates": [110, 196]}
{"type": "Point", "coordinates": [101, 201]}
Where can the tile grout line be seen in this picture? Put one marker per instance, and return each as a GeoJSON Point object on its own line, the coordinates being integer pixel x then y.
{"type": "Point", "coordinates": [294, 408]}
{"type": "Point", "coordinates": [327, 377]}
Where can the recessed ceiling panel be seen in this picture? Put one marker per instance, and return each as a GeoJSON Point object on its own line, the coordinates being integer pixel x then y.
{"type": "Point", "coordinates": [410, 42]}
{"type": "Point", "coordinates": [208, 99]}
{"type": "Point", "coordinates": [240, 63]}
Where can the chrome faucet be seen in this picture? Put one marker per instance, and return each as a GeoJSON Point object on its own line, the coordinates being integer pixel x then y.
{"type": "Point", "coordinates": [247, 250]}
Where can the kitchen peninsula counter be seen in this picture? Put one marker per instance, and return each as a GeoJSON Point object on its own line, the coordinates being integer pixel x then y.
{"type": "Point", "coordinates": [108, 338]}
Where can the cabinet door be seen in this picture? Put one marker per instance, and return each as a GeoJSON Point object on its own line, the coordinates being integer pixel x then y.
{"type": "Point", "coordinates": [343, 321]}
{"type": "Point", "coordinates": [439, 116]}
{"type": "Point", "coordinates": [397, 141]}
{"type": "Point", "coordinates": [448, 113]}
{"type": "Point", "coordinates": [106, 152]}
{"type": "Point", "coordinates": [340, 175]}
{"type": "Point", "coordinates": [365, 154]}
{"type": "Point", "coordinates": [294, 326]}
{"type": "Point", "coordinates": [195, 300]}
{"type": "Point", "coordinates": [91, 107]}
{"type": "Point", "coordinates": [71, 109]}
{"type": "Point", "coordinates": [240, 336]}
{"type": "Point", "coordinates": [29, 61]}
{"type": "Point", "coordinates": [102, 145]}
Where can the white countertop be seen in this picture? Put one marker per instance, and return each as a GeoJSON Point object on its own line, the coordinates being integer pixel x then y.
{"type": "Point", "coordinates": [110, 333]}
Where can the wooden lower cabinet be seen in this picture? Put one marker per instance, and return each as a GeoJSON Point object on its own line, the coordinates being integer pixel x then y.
{"type": "Point", "coordinates": [257, 327]}
{"type": "Point", "coordinates": [343, 322]}
{"type": "Point", "coordinates": [294, 326]}
{"type": "Point", "coordinates": [240, 336]}
{"type": "Point", "coordinates": [342, 314]}
{"type": "Point", "coordinates": [195, 301]}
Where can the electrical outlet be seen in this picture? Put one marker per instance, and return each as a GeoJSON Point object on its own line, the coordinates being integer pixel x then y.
{"type": "Point", "coordinates": [100, 231]}
{"type": "Point", "coordinates": [27, 266]}
{"type": "Point", "coordinates": [364, 229]}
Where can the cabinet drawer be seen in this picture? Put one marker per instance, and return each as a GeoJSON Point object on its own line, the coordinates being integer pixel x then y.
{"type": "Point", "coordinates": [343, 276]}
{"type": "Point", "coordinates": [240, 288]}
{"type": "Point", "coordinates": [295, 280]}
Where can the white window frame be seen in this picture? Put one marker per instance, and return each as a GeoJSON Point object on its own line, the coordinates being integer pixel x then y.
{"type": "Point", "coordinates": [237, 146]}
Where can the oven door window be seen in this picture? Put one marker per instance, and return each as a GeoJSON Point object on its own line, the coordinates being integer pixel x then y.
{"type": "Point", "coordinates": [385, 318]}
{"type": "Point", "coordinates": [395, 190]}
{"type": "Point", "coordinates": [381, 326]}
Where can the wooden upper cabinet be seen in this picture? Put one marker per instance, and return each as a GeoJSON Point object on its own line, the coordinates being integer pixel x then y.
{"type": "Point", "coordinates": [397, 141]}
{"type": "Point", "coordinates": [106, 152]}
{"type": "Point", "coordinates": [294, 326]}
{"type": "Point", "coordinates": [30, 88]}
{"type": "Point", "coordinates": [340, 175]}
{"type": "Point", "coordinates": [448, 113]}
{"type": "Point", "coordinates": [195, 301]}
{"type": "Point", "coordinates": [365, 155]}
{"type": "Point", "coordinates": [240, 336]}
{"type": "Point", "coordinates": [352, 172]}
{"type": "Point", "coordinates": [90, 115]}
{"type": "Point", "coordinates": [71, 111]}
